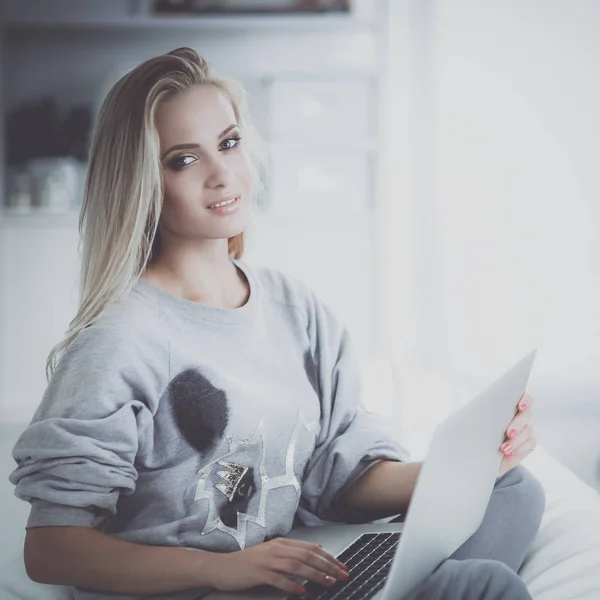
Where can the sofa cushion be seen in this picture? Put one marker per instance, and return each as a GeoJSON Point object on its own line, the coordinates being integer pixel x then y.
{"type": "Point", "coordinates": [564, 559]}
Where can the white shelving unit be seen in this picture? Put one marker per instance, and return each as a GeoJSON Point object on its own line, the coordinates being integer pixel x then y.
{"type": "Point", "coordinates": [65, 14]}
{"type": "Point", "coordinates": [316, 101]}
{"type": "Point", "coordinates": [315, 48]}
{"type": "Point", "coordinates": [35, 218]}
{"type": "Point", "coordinates": [201, 23]}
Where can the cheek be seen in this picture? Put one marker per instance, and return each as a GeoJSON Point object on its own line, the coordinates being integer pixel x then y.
{"type": "Point", "coordinates": [179, 200]}
{"type": "Point", "coordinates": [182, 190]}
{"type": "Point", "coordinates": [244, 171]}
{"type": "Point", "coordinates": [177, 185]}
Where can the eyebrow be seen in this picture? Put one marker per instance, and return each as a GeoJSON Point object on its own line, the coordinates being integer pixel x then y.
{"type": "Point", "coordinates": [191, 146]}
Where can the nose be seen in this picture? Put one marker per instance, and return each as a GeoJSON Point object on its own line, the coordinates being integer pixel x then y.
{"type": "Point", "coordinates": [219, 174]}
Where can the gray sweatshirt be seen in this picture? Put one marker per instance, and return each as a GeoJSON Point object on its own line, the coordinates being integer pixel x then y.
{"type": "Point", "coordinates": [175, 424]}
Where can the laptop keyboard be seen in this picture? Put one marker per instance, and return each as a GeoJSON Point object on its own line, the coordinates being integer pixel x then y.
{"type": "Point", "coordinates": [368, 560]}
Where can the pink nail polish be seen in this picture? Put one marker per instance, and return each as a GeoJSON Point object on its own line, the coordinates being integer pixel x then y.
{"type": "Point", "coordinates": [523, 407]}
{"type": "Point", "coordinates": [505, 447]}
{"type": "Point", "coordinates": [512, 434]}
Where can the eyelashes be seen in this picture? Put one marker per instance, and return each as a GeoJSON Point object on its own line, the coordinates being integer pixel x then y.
{"type": "Point", "coordinates": [236, 139]}
{"type": "Point", "coordinates": [177, 165]}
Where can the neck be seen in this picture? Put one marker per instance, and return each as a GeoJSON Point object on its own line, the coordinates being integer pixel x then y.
{"type": "Point", "coordinates": [206, 278]}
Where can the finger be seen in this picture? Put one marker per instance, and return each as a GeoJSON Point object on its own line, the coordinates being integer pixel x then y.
{"type": "Point", "coordinates": [510, 446]}
{"type": "Point", "coordinates": [317, 550]}
{"type": "Point", "coordinates": [508, 462]}
{"type": "Point", "coordinates": [517, 425]}
{"type": "Point", "coordinates": [527, 440]}
{"type": "Point", "coordinates": [522, 446]}
{"type": "Point", "coordinates": [281, 582]}
{"type": "Point", "coordinates": [318, 562]}
{"type": "Point", "coordinates": [524, 406]}
{"type": "Point", "coordinates": [298, 568]}
{"type": "Point", "coordinates": [525, 402]}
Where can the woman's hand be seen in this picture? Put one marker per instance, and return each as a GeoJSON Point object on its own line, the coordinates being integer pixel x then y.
{"type": "Point", "coordinates": [521, 438]}
{"type": "Point", "coordinates": [276, 563]}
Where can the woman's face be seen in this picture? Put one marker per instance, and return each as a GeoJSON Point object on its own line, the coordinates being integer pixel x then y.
{"type": "Point", "coordinates": [212, 168]}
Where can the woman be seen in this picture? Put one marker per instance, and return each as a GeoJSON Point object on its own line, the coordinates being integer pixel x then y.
{"type": "Point", "coordinates": [203, 404]}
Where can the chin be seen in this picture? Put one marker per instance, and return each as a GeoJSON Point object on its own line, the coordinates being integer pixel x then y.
{"type": "Point", "coordinates": [229, 230]}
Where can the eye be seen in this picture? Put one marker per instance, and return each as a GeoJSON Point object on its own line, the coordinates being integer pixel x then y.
{"type": "Point", "coordinates": [178, 164]}
{"type": "Point", "coordinates": [230, 143]}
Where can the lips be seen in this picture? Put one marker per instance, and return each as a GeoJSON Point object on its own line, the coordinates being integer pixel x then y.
{"type": "Point", "coordinates": [224, 201]}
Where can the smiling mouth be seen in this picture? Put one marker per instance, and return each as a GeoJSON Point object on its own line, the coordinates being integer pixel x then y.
{"type": "Point", "coordinates": [224, 203]}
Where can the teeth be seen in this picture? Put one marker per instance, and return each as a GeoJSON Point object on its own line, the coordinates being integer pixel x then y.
{"type": "Point", "coordinates": [223, 203]}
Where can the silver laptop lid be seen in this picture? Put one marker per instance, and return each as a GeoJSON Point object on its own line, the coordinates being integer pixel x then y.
{"type": "Point", "coordinates": [456, 481]}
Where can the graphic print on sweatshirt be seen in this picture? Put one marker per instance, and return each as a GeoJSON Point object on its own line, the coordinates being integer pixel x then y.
{"type": "Point", "coordinates": [233, 487]}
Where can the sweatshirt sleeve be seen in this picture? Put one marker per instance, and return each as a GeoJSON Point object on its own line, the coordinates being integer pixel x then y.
{"type": "Point", "coordinates": [351, 438]}
{"type": "Point", "coordinates": [77, 455]}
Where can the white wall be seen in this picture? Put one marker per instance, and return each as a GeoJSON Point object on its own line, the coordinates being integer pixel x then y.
{"type": "Point", "coordinates": [502, 210]}
{"type": "Point", "coordinates": [505, 188]}
{"type": "Point", "coordinates": [38, 298]}
{"type": "Point", "coordinates": [517, 145]}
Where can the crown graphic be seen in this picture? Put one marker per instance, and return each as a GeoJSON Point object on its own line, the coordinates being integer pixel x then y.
{"type": "Point", "coordinates": [232, 476]}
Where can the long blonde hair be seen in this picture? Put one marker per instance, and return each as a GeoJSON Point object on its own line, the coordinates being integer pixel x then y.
{"type": "Point", "coordinates": [123, 191]}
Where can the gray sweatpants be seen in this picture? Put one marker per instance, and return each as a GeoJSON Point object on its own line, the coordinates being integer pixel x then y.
{"type": "Point", "coordinates": [485, 566]}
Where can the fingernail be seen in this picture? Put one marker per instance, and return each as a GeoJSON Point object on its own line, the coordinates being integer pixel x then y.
{"type": "Point", "coordinates": [506, 448]}
{"type": "Point", "coordinates": [300, 590]}
{"type": "Point", "coordinates": [341, 565]}
{"type": "Point", "coordinates": [511, 453]}
{"type": "Point", "coordinates": [523, 407]}
{"type": "Point", "coordinates": [329, 580]}
{"type": "Point", "coordinates": [512, 434]}
{"type": "Point", "coordinates": [344, 575]}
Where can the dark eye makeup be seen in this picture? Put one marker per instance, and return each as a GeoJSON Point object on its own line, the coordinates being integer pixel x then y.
{"type": "Point", "coordinates": [230, 143]}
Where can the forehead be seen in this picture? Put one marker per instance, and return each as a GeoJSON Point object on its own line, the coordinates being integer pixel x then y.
{"type": "Point", "coordinates": [200, 113]}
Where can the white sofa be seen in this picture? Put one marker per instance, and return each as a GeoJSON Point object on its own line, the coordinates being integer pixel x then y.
{"type": "Point", "coordinates": [563, 563]}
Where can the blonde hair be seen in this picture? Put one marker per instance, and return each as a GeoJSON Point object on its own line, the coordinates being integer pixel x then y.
{"type": "Point", "coordinates": [123, 191]}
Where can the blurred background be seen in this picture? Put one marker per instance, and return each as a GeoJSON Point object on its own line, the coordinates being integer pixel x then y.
{"type": "Point", "coordinates": [434, 177]}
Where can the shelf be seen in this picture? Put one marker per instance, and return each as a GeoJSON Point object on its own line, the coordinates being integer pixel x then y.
{"type": "Point", "coordinates": [139, 14]}
{"type": "Point", "coordinates": [199, 23]}
{"type": "Point", "coordinates": [9, 217]}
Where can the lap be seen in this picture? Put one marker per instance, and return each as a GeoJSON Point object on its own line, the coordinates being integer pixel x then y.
{"type": "Point", "coordinates": [471, 579]}
{"type": "Point", "coordinates": [486, 566]}
{"type": "Point", "coordinates": [511, 521]}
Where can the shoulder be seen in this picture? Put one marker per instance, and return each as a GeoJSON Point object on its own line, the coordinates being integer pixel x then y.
{"type": "Point", "coordinates": [281, 287]}
{"type": "Point", "coordinates": [125, 333]}
{"type": "Point", "coordinates": [293, 292]}
{"type": "Point", "coordinates": [285, 290]}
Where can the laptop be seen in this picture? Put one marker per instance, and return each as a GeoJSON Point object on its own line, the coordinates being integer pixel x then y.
{"type": "Point", "coordinates": [386, 561]}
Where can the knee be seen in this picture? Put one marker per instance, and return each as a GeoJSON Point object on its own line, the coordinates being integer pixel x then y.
{"type": "Point", "coordinates": [483, 567]}
{"type": "Point", "coordinates": [493, 570]}
{"type": "Point", "coordinates": [526, 492]}
{"type": "Point", "coordinates": [492, 577]}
